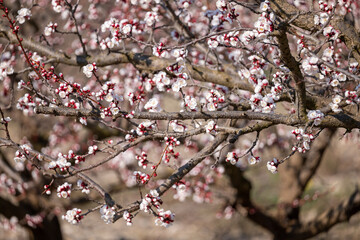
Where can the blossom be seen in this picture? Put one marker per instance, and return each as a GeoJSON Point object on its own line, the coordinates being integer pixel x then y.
{"type": "Point", "coordinates": [83, 186]}
{"type": "Point", "coordinates": [107, 213]}
{"type": "Point", "coordinates": [152, 104]}
{"type": "Point", "coordinates": [23, 14]}
{"type": "Point", "coordinates": [211, 127]}
{"type": "Point", "coordinates": [253, 160]}
{"type": "Point", "coordinates": [316, 116]}
{"type": "Point", "coordinates": [273, 165]}
{"type": "Point", "coordinates": [50, 28]}
{"type": "Point", "coordinates": [73, 216]}
{"type": "Point", "coordinates": [165, 218]}
{"type": "Point", "coordinates": [190, 102]}
{"type": "Point", "coordinates": [64, 190]}
{"type": "Point", "coordinates": [151, 18]}
{"type": "Point", "coordinates": [232, 157]}
{"type": "Point", "coordinates": [89, 69]}
{"type": "Point", "coordinates": [221, 5]}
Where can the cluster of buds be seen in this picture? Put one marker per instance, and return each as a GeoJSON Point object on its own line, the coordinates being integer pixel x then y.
{"type": "Point", "coordinates": [325, 6]}
{"type": "Point", "coordinates": [134, 97]}
{"type": "Point", "coordinates": [27, 104]}
{"type": "Point", "coordinates": [142, 160]}
{"type": "Point", "coordinates": [142, 178]}
{"type": "Point", "coordinates": [110, 111]}
{"type": "Point", "coordinates": [171, 142]}
{"type": "Point", "coordinates": [128, 218]}
{"type": "Point", "coordinates": [106, 92]}
{"type": "Point", "coordinates": [264, 104]}
{"type": "Point", "coordinates": [72, 104]}
{"type": "Point", "coordinates": [64, 190]}
{"type": "Point", "coordinates": [144, 127]}
{"type": "Point", "coordinates": [92, 149]}
{"type": "Point", "coordinates": [20, 156]}
{"type": "Point", "coordinates": [65, 89]}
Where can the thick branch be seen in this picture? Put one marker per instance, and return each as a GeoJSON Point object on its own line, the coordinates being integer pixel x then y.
{"type": "Point", "coordinates": [339, 120]}
{"type": "Point", "coordinates": [329, 218]}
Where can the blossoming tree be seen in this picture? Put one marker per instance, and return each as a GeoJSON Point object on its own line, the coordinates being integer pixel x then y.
{"type": "Point", "coordinates": [173, 94]}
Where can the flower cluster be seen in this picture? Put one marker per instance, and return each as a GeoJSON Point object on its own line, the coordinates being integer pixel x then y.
{"type": "Point", "coordinates": [164, 218]}
{"type": "Point", "coordinates": [23, 14]}
{"type": "Point", "coordinates": [162, 81]}
{"type": "Point", "coordinates": [304, 140]}
{"type": "Point", "coordinates": [65, 89]}
{"type": "Point", "coordinates": [5, 69]}
{"type": "Point", "coordinates": [351, 97]}
{"type": "Point", "coordinates": [50, 29]}
{"type": "Point", "coordinates": [211, 127]}
{"type": "Point", "coordinates": [191, 103]}
{"type": "Point", "coordinates": [213, 99]}
{"type": "Point", "coordinates": [89, 69]}
{"type": "Point", "coordinates": [272, 166]}
{"type": "Point", "coordinates": [142, 178]}
{"type": "Point", "coordinates": [142, 160]}
{"type": "Point", "coordinates": [20, 156]}
{"type": "Point", "coordinates": [34, 220]}
{"type": "Point", "coordinates": [316, 116]}
{"type": "Point", "coordinates": [177, 127]}
{"type": "Point", "coordinates": [180, 54]}
{"type": "Point", "coordinates": [73, 216]}
{"type": "Point", "coordinates": [144, 127]}
{"type": "Point", "coordinates": [335, 104]}
{"type": "Point", "coordinates": [171, 142]}
{"type": "Point", "coordinates": [62, 163]}
{"type": "Point", "coordinates": [159, 51]}
{"type": "Point", "coordinates": [128, 218]}
{"type": "Point", "coordinates": [151, 18]}
{"type": "Point", "coordinates": [150, 199]}
{"type": "Point", "coordinates": [232, 157]}
{"type": "Point", "coordinates": [180, 82]}
{"type": "Point", "coordinates": [253, 160]}
{"type": "Point", "coordinates": [64, 190]}
{"type": "Point", "coordinates": [83, 186]}
{"type": "Point", "coordinates": [92, 149]}
{"type": "Point", "coordinates": [57, 5]}
{"type": "Point", "coordinates": [152, 105]}
{"type": "Point", "coordinates": [107, 213]}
